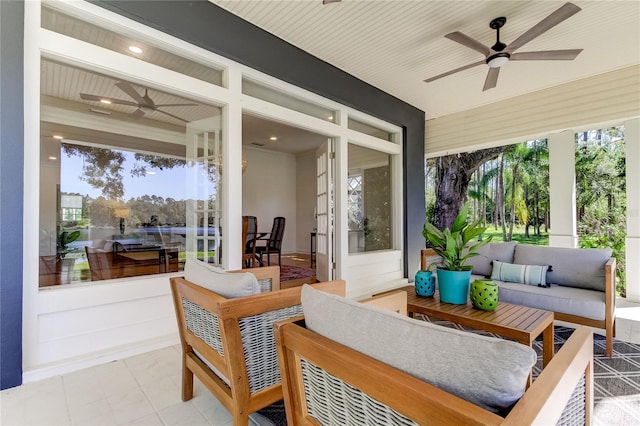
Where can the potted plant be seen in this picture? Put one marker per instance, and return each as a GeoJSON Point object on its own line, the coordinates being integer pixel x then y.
{"type": "Point", "coordinates": [64, 267]}
{"type": "Point", "coordinates": [64, 239]}
{"type": "Point", "coordinates": [455, 246]}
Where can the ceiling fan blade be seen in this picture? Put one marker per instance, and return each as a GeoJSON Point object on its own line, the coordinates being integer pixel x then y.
{"type": "Point", "coordinates": [174, 105]}
{"type": "Point", "coordinates": [137, 114]}
{"type": "Point", "coordinates": [564, 12]}
{"type": "Point", "coordinates": [469, 42]}
{"type": "Point", "coordinates": [546, 55]}
{"type": "Point", "coordinates": [475, 64]}
{"type": "Point", "coordinates": [171, 115]}
{"type": "Point", "coordinates": [96, 98]}
{"type": "Point", "coordinates": [129, 90]}
{"type": "Point", "coordinates": [492, 79]}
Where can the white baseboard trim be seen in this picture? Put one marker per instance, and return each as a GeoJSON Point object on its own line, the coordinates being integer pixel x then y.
{"type": "Point", "coordinates": [98, 358]}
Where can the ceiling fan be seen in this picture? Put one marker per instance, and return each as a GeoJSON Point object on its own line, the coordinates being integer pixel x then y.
{"type": "Point", "coordinates": [144, 103]}
{"type": "Point", "coordinates": [499, 54]}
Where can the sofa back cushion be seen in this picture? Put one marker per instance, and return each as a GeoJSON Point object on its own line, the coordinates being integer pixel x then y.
{"type": "Point", "coordinates": [226, 284]}
{"type": "Point", "coordinates": [570, 267]}
{"type": "Point", "coordinates": [482, 263]}
{"type": "Point", "coordinates": [486, 371]}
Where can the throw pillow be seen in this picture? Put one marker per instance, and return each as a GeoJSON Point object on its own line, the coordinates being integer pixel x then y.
{"type": "Point", "coordinates": [514, 273]}
{"type": "Point", "coordinates": [226, 284]}
{"type": "Point", "coordinates": [486, 371]}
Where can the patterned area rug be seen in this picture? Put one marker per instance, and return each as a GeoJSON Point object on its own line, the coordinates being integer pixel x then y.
{"type": "Point", "coordinates": [616, 379]}
{"type": "Point", "coordinates": [288, 273]}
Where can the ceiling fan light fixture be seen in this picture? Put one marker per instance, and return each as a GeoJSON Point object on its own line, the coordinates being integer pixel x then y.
{"type": "Point", "coordinates": [498, 60]}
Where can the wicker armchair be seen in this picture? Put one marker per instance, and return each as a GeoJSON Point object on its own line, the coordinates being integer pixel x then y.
{"type": "Point", "coordinates": [229, 344]}
{"type": "Point", "coordinates": [330, 384]}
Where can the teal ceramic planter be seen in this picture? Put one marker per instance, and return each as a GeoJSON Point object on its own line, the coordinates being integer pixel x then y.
{"type": "Point", "coordinates": [425, 283]}
{"type": "Point", "coordinates": [453, 286]}
{"type": "Point", "coordinates": [484, 295]}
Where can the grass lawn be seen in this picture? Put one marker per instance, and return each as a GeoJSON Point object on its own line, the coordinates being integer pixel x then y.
{"type": "Point", "coordinates": [518, 235]}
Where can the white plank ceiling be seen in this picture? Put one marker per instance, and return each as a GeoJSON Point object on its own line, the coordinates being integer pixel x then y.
{"type": "Point", "coordinates": [396, 44]}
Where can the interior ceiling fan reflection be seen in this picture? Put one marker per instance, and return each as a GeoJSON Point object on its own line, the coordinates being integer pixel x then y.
{"type": "Point", "coordinates": [499, 54]}
{"type": "Point", "coordinates": [144, 103]}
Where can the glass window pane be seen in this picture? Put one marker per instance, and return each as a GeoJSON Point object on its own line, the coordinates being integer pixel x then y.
{"type": "Point", "coordinates": [367, 129]}
{"type": "Point", "coordinates": [115, 179]}
{"type": "Point", "coordinates": [369, 199]}
{"type": "Point", "coordinates": [274, 96]}
{"type": "Point", "coordinates": [59, 22]}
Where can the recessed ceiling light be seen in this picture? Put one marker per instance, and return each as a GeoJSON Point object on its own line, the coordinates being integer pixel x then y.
{"type": "Point", "coordinates": [135, 49]}
{"type": "Point", "coordinates": [273, 138]}
{"type": "Point", "coordinates": [105, 101]}
{"type": "Point", "coordinates": [58, 137]}
{"type": "Point", "coordinates": [331, 118]}
{"type": "Point", "coordinates": [53, 158]}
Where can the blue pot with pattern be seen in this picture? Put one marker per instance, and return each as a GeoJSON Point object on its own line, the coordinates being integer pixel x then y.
{"type": "Point", "coordinates": [425, 283]}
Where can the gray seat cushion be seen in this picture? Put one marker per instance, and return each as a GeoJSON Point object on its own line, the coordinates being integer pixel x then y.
{"type": "Point", "coordinates": [570, 267]}
{"type": "Point", "coordinates": [486, 371]}
{"type": "Point", "coordinates": [566, 300]}
{"type": "Point", "coordinates": [226, 284]}
{"type": "Point", "coordinates": [490, 252]}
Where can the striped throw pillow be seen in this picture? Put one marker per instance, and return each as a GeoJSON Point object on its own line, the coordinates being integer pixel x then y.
{"type": "Point", "coordinates": [526, 274]}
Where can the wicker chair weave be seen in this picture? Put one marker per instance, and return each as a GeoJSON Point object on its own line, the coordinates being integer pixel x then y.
{"type": "Point", "coordinates": [259, 346]}
{"type": "Point", "coordinates": [203, 324]}
{"type": "Point", "coordinates": [265, 285]}
{"type": "Point", "coordinates": [331, 401]}
{"type": "Point", "coordinates": [575, 411]}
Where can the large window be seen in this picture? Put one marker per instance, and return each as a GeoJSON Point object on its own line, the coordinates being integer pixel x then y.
{"type": "Point", "coordinates": [369, 200]}
{"type": "Point", "coordinates": [130, 178]}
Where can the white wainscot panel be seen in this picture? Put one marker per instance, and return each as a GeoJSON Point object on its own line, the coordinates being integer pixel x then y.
{"type": "Point", "coordinates": [96, 323]}
{"type": "Point", "coordinates": [370, 273]}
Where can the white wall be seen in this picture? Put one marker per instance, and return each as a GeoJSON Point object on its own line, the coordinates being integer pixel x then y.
{"type": "Point", "coordinates": [269, 190]}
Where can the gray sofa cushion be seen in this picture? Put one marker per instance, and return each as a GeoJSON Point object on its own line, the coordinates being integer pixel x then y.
{"type": "Point", "coordinates": [486, 371]}
{"type": "Point", "coordinates": [566, 300]}
{"type": "Point", "coordinates": [490, 252]}
{"type": "Point", "coordinates": [570, 267]}
{"type": "Point", "coordinates": [226, 284]}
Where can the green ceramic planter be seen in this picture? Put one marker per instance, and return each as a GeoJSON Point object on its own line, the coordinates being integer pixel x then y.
{"type": "Point", "coordinates": [484, 295]}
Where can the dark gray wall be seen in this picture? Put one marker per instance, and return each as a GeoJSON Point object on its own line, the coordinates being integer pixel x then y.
{"type": "Point", "coordinates": [212, 28]}
{"type": "Point", "coordinates": [11, 189]}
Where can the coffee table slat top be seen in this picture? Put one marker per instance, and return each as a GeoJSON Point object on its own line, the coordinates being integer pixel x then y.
{"type": "Point", "coordinates": [514, 321]}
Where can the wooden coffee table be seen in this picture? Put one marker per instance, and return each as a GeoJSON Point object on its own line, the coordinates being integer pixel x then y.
{"type": "Point", "coordinates": [511, 321]}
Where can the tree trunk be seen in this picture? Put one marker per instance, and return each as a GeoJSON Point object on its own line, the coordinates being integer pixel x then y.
{"type": "Point", "coordinates": [513, 200]}
{"type": "Point", "coordinates": [526, 202]}
{"type": "Point", "coordinates": [500, 194]}
{"type": "Point", "coordinates": [453, 174]}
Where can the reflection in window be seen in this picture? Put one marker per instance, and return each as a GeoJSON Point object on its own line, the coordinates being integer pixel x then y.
{"type": "Point", "coordinates": [369, 200]}
{"type": "Point", "coordinates": [114, 189]}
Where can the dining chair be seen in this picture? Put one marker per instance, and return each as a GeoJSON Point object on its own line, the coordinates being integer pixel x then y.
{"type": "Point", "coordinates": [249, 237]}
{"type": "Point", "coordinates": [273, 242]}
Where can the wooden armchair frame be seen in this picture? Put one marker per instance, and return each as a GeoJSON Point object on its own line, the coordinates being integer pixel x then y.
{"type": "Point", "coordinates": [238, 326]}
{"type": "Point", "coordinates": [399, 395]}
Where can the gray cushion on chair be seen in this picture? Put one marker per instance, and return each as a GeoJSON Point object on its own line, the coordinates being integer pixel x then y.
{"type": "Point", "coordinates": [570, 267]}
{"type": "Point", "coordinates": [490, 252]}
{"type": "Point", "coordinates": [486, 371]}
{"type": "Point", "coordinates": [224, 283]}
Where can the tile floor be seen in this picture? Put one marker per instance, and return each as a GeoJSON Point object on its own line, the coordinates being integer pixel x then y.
{"type": "Point", "coordinates": [141, 390]}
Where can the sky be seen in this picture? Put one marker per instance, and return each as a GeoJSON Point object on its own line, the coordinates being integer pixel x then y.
{"type": "Point", "coordinates": [168, 183]}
